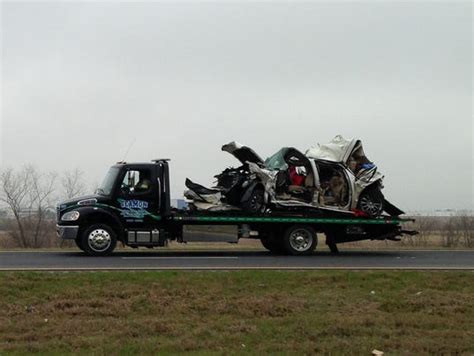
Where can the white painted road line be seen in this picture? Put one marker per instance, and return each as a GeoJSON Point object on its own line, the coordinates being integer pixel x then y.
{"type": "Point", "coordinates": [181, 258]}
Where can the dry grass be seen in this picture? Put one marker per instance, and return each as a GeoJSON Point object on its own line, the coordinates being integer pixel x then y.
{"type": "Point", "coordinates": [234, 312]}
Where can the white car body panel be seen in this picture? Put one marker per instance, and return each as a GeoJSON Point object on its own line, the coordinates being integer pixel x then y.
{"type": "Point", "coordinates": [337, 150]}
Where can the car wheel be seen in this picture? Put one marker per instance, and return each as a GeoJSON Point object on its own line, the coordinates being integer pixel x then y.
{"type": "Point", "coordinates": [99, 240]}
{"type": "Point", "coordinates": [299, 240]}
{"type": "Point", "coordinates": [255, 202]}
{"type": "Point", "coordinates": [371, 202]}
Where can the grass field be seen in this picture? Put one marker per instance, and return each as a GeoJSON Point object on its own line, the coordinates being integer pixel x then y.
{"type": "Point", "coordinates": [232, 312]}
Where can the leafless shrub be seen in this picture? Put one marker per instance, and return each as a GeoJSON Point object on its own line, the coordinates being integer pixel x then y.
{"type": "Point", "coordinates": [426, 226]}
{"type": "Point", "coordinates": [450, 233]}
{"type": "Point", "coordinates": [466, 229]}
{"type": "Point", "coordinates": [444, 231]}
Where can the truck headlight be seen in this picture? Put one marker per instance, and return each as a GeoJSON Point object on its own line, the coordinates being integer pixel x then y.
{"type": "Point", "coordinates": [71, 216]}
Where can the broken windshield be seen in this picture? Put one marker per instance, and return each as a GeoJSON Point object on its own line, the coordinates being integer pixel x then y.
{"type": "Point", "coordinates": [105, 188]}
{"type": "Point", "coordinates": [286, 155]}
{"type": "Point", "coordinates": [277, 161]}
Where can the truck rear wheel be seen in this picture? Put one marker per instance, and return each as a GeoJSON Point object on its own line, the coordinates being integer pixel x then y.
{"type": "Point", "coordinates": [272, 244]}
{"type": "Point", "coordinates": [99, 240]}
{"type": "Point", "coordinates": [299, 240]}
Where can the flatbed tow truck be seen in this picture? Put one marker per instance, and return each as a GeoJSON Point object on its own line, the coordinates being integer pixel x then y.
{"type": "Point", "coordinates": [121, 212]}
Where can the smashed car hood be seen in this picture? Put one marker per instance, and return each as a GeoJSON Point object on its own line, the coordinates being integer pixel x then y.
{"type": "Point", "coordinates": [337, 150]}
{"type": "Point", "coordinates": [243, 153]}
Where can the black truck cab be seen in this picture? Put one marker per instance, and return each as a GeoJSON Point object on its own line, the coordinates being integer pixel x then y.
{"type": "Point", "coordinates": [133, 198]}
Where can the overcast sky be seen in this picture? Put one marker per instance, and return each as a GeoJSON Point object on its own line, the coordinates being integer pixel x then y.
{"type": "Point", "coordinates": [81, 81]}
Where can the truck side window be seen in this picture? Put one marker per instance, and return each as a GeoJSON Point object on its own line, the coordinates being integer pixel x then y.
{"type": "Point", "coordinates": [136, 182]}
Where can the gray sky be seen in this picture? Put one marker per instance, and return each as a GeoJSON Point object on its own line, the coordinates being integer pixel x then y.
{"type": "Point", "coordinates": [81, 81]}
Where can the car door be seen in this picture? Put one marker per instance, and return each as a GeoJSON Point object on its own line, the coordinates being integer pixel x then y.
{"type": "Point", "coordinates": [327, 196]}
{"type": "Point", "coordinates": [137, 197]}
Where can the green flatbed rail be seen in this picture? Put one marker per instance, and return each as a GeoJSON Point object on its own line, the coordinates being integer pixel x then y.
{"type": "Point", "coordinates": [275, 219]}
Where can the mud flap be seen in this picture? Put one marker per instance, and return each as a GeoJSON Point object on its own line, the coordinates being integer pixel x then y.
{"type": "Point", "coordinates": [331, 242]}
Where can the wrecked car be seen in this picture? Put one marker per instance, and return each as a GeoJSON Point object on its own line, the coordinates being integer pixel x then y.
{"type": "Point", "coordinates": [336, 176]}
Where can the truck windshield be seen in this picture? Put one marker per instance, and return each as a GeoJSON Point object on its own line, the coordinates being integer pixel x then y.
{"type": "Point", "coordinates": [105, 188]}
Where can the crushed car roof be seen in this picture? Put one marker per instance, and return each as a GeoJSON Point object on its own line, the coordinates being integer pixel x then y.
{"type": "Point", "coordinates": [337, 150]}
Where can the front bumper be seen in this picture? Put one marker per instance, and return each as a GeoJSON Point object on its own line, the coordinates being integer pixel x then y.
{"type": "Point", "coordinates": [67, 232]}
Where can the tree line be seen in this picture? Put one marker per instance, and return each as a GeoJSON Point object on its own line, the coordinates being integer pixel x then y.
{"type": "Point", "coordinates": [28, 199]}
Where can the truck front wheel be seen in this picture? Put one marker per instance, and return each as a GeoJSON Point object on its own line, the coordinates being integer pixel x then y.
{"type": "Point", "coordinates": [78, 242]}
{"type": "Point", "coordinates": [299, 240]}
{"type": "Point", "coordinates": [99, 240]}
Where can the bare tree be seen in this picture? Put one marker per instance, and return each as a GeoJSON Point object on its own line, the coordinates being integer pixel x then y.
{"type": "Point", "coordinates": [28, 195]}
{"type": "Point", "coordinates": [15, 188]}
{"type": "Point", "coordinates": [72, 183]}
{"type": "Point", "coordinates": [41, 194]}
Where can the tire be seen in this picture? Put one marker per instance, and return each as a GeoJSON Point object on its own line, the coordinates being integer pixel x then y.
{"type": "Point", "coordinates": [255, 202]}
{"type": "Point", "coordinates": [371, 202]}
{"type": "Point", "coordinates": [331, 242]}
{"type": "Point", "coordinates": [78, 241]}
{"type": "Point", "coordinates": [299, 240]}
{"type": "Point", "coordinates": [267, 243]}
{"type": "Point", "coordinates": [99, 240]}
{"type": "Point", "coordinates": [272, 244]}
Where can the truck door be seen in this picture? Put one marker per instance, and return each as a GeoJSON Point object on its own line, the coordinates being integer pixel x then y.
{"type": "Point", "coordinates": [137, 197]}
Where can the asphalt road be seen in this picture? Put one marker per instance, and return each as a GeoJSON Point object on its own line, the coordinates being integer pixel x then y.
{"type": "Point", "coordinates": [229, 260]}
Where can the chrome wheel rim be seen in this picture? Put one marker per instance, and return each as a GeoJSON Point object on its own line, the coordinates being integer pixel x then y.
{"type": "Point", "coordinates": [256, 202]}
{"type": "Point", "coordinates": [301, 240]}
{"type": "Point", "coordinates": [370, 207]}
{"type": "Point", "coordinates": [99, 240]}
